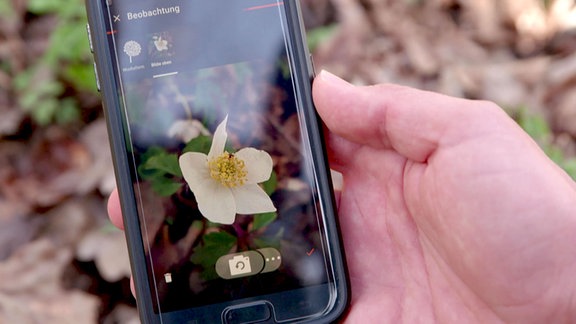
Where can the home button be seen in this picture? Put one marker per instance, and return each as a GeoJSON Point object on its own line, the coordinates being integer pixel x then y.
{"type": "Point", "coordinates": [260, 312]}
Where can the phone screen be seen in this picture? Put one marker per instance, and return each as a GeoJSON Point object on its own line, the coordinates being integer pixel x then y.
{"type": "Point", "coordinates": [222, 173]}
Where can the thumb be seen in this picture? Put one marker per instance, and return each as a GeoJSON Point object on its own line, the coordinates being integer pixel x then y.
{"type": "Point", "coordinates": [412, 122]}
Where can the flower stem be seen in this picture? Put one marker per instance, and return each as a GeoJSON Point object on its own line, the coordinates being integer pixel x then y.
{"type": "Point", "coordinates": [181, 99]}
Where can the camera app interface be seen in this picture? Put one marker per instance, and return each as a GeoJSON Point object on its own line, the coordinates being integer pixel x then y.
{"type": "Point", "coordinates": [223, 179]}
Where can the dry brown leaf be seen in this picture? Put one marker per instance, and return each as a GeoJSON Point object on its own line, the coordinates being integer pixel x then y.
{"type": "Point", "coordinates": [17, 231]}
{"type": "Point", "coordinates": [124, 315]}
{"type": "Point", "coordinates": [101, 173]}
{"type": "Point", "coordinates": [63, 307]}
{"type": "Point", "coordinates": [69, 222]}
{"type": "Point", "coordinates": [11, 116]}
{"type": "Point", "coordinates": [107, 247]}
{"type": "Point", "coordinates": [94, 169]}
{"type": "Point", "coordinates": [31, 291]}
{"type": "Point", "coordinates": [57, 166]}
{"type": "Point", "coordinates": [565, 116]}
{"type": "Point", "coordinates": [562, 71]}
{"type": "Point", "coordinates": [419, 53]}
{"type": "Point", "coordinates": [501, 85]}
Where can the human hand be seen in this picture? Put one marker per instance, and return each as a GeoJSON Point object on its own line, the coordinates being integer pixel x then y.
{"type": "Point", "coordinates": [449, 213]}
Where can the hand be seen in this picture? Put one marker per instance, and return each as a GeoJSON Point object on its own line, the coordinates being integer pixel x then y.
{"type": "Point", "coordinates": [450, 213]}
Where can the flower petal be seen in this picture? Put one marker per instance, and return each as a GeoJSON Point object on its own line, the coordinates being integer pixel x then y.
{"type": "Point", "coordinates": [251, 199]}
{"type": "Point", "coordinates": [258, 164]}
{"type": "Point", "coordinates": [194, 168]}
{"type": "Point", "coordinates": [219, 140]}
{"type": "Point", "coordinates": [216, 202]}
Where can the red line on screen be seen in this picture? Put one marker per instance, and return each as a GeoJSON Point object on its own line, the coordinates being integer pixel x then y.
{"type": "Point", "coordinates": [265, 6]}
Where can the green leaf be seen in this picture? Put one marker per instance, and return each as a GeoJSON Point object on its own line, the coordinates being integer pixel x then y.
{"type": "Point", "coordinates": [6, 10]}
{"type": "Point", "coordinates": [152, 151]}
{"type": "Point", "coordinates": [165, 187]}
{"type": "Point", "coordinates": [220, 238]}
{"type": "Point", "coordinates": [318, 35]}
{"type": "Point", "coordinates": [199, 144]}
{"type": "Point", "coordinates": [263, 220]}
{"type": "Point", "coordinates": [554, 153]}
{"type": "Point", "coordinates": [73, 35]}
{"type": "Point", "coordinates": [40, 7]}
{"type": "Point", "coordinates": [81, 76]}
{"type": "Point", "coordinates": [166, 163]}
{"type": "Point", "coordinates": [63, 8]}
{"type": "Point", "coordinates": [215, 245]}
{"type": "Point", "coordinates": [143, 170]}
{"type": "Point", "coordinates": [160, 168]}
{"type": "Point", "coordinates": [44, 111]}
{"type": "Point", "coordinates": [534, 125]}
{"type": "Point", "coordinates": [68, 111]}
{"type": "Point", "coordinates": [35, 89]}
{"type": "Point", "coordinates": [271, 184]}
{"type": "Point", "coordinates": [570, 167]}
{"type": "Point", "coordinates": [538, 128]}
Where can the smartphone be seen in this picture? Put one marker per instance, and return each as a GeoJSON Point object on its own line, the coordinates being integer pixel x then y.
{"type": "Point", "coordinates": [219, 158]}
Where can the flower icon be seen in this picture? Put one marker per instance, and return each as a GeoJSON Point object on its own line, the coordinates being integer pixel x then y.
{"type": "Point", "coordinates": [226, 184]}
{"type": "Point", "coordinates": [160, 43]}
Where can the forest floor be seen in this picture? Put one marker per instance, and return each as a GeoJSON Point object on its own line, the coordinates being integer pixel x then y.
{"type": "Point", "coordinates": [60, 258]}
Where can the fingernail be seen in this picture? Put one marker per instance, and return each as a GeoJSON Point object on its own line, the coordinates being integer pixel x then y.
{"type": "Point", "coordinates": [331, 78]}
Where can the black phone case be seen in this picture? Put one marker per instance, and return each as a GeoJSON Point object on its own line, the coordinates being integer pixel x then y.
{"type": "Point", "coordinates": [108, 84]}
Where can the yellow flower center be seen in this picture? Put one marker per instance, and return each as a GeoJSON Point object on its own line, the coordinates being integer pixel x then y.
{"type": "Point", "coordinates": [227, 169]}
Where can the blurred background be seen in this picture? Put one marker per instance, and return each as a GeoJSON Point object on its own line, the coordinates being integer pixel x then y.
{"type": "Point", "coordinates": [61, 261]}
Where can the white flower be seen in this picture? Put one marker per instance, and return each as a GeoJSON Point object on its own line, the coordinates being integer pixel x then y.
{"type": "Point", "coordinates": [161, 44]}
{"type": "Point", "coordinates": [186, 130]}
{"type": "Point", "coordinates": [226, 184]}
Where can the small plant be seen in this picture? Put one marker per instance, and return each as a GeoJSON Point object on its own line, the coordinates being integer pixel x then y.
{"type": "Point", "coordinates": [219, 232]}
{"type": "Point", "coordinates": [66, 63]}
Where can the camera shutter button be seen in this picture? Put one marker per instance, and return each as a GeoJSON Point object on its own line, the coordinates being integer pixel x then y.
{"type": "Point", "coordinates": [239, 265]}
